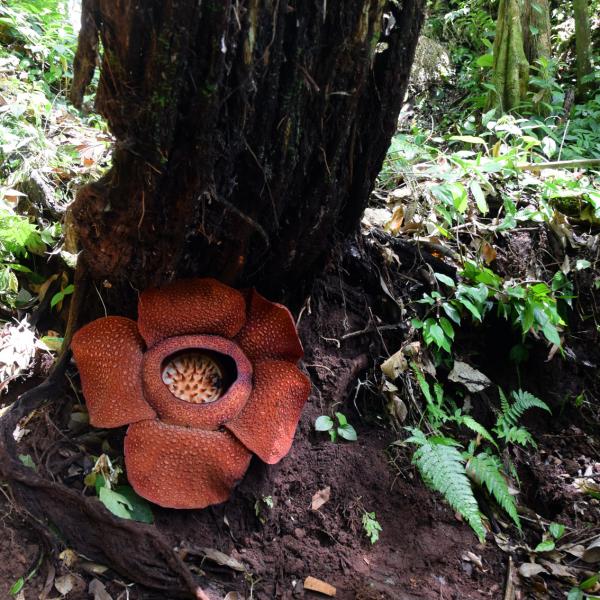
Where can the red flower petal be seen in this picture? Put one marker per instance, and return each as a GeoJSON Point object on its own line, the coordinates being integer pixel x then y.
{"type": "Point", "coordinates": [177, 467]}
{"type": "Point", "coordinates": [267, 423]}
{"type": "Point", "coordinates": [179, 412]}
{"type": "Point", "coordinates": [108, 353]}
{"type": "Point", "coordinates": [190, 306]}
{"type": "Point", "coordinates": [269, 332]}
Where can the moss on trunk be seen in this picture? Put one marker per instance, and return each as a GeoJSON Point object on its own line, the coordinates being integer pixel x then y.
{"type": "Point", "coordinates": [510, 68]}
{"type": "Point", "coordinates": [583, 45]}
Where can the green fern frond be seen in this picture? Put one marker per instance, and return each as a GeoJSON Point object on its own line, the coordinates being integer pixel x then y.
{"type": "Point", "coordinates": [523, 401]}
{"type": "Point", "coordinates": [478, 428]}
{"type": "Point", "coordinates": [517, 435]}
{"type": "Point", "coordinates": [486, 470]}
{"type": "Point", "coordinates": [442, 468]}
{"type": "Point", "coordinates": [507, 424]}
{"type": "Point", "coordinates": [504, 403]}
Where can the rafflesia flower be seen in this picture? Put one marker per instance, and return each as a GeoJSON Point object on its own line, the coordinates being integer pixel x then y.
{"type": "Point", "coordinates": [206, 377]}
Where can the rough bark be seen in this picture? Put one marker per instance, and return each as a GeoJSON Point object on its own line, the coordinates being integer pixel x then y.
{"type": "Point", "coordinates": [510, 68]}
{"type": "Point", "coordinates": [583, 45]}
{"type": "Point", "coordinates": [249, 134]}
{"type": "Point", "coordinates": [535, 19]}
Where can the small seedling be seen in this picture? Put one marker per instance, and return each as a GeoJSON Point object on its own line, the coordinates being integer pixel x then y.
{"type": "Point", "coordinates": [548, 544]}
{"type": "Point", "coordinates": [121, 500]}
{"type": "Point", "coordinates": [260, 505]}
{"type": "Point", "coordinates": [343, 429]}
{"type": "Point", "coordinates": [371, 526]}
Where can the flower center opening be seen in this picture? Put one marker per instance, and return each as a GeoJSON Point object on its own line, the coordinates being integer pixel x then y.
{"type": "Point", "coordinates": [195, 376]}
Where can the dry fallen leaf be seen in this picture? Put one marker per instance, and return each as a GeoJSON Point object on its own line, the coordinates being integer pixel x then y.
{"type": "Point", "coordinates": [592, 552]}
{"type": "Point", "coordinates": [64, 584]}
{"type": "Point", "coordinates": [576, 550]}
{"type": "Point", "coordinates": [395, 365]}
{"type": "Point", "coordinates": [320, 498]}
{"type": "Point", "coordinates": [395, 224]}
{"type": "Point", "coordinates": [559, 570]}
{"type": "Point", "coordinates": [223, 559]}
{"type": "Point", "coordinates": [316, 585]}
{"type": "Point", "coordinates": [98, 591]}
{"type": "Point", "coordinates": [488, 252]}
{"type": "Point", "coordinates": [473, 558]}
{"type": "Point", "coordinates": [471, 378]}
{"type": "Point", "coordinates": [69, 557]}
{"type": "Point", "coordinates": [531, 570]}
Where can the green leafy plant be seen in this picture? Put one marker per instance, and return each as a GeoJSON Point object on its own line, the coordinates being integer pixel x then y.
{"type": "Point", "coordinates": [41, 30]}
{"type": "Point", "coordinates": [507, 425]}
{"type": "Point", "coordinates": [454, 473]}
{"type": "Point", "coordinates": [442, 467]}
{"type": "Point", "coordinates": [20, 240]}
{"type": "Point", "coordinates": [579, 592]}
{"type": "Point", "coordinates": [19, 584]}
{"type": "Point", "coordinates": [531, 306]}
{"type": "Point", "coordinates": [121, 500]}
{"type": "Point", "coordinates": [548, 543]}
{"type": "Point", "coordinates": [371, 526]}
{"type": "Point", "coordinates": [342, 429]}
{"type": "Point", "coordinates": [60, 296]}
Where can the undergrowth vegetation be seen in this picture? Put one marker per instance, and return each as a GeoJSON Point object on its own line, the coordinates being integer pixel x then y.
{"type": "Point", "coordinates": [463, 182]}
{"type": "Point", "coordinates": [47, 150]}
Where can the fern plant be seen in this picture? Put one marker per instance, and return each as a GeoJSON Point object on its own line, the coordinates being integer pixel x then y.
{"type": "Point", "coordinates": [454, 474]}
{"type": "Point", "coordinates": [486, 470]}
{"type": "Point", "coordinates": [442, 468]}
{"type": "Point", "coordinates": [507, 424]}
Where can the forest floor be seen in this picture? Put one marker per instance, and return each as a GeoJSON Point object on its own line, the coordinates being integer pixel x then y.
{"type": "Point", "coordinates": [273, 534]}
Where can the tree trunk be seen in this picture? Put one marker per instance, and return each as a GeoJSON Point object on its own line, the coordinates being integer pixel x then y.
{"type": "Point", "coordinates": [249, 134]}
{"type": "Point", "coordinates": [535, 24]}
{"type": "Point", "coordinates": [535, 20]}
{"type": "Point", "coordinates": [583, 45]}
{"type": "Point", "coordinates": [510, 68]}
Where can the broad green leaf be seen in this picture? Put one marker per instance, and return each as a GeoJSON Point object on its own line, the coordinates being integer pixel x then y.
{"type": "Point", "coordinates": [485, 61]}
{"type": "Point", "coordinates": [445, 279]}
{"type": "Point", "coordinates": [468, 139]}
{"type": "Point", "coordinates": [433, 332]}
{"type": "Point", "coordinates": [582, 264]}
{"type": "Point", "coordinates": [551, 333]}
{"type": "Point", "coordinates": [140, 509]}
{"type": "Point", "coordinates": [416, 323]}
{"type": "Point", "coordinates": [348, 433]}
{"type": "Point", "coordinates": [590, 582]}
{"type": "Point", "coordinates": [545, 546]}
{"type": "Point", "coordinates": [557, 530]}
{"type": "Point", "coordinates": [447, 327]}
{"type": "Point", "coordinates": [479, 196]}
{"type": "Point", "coordinates": [471, 308]}
{"type": "Point", "coordinates": [459, 197]}
{"type": "Point", "coordinates": [118, 505]}
{"type": "Point", "coordinates": [341, 419]}
{"type": "Point", "coordinates": [324, 423]}
{"type": "Point", "coordinates": [27, 461]}
{"type": "Point", "coordinates": [451, 312]}
{"type": "Point", "coordinates": [575, 594]}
